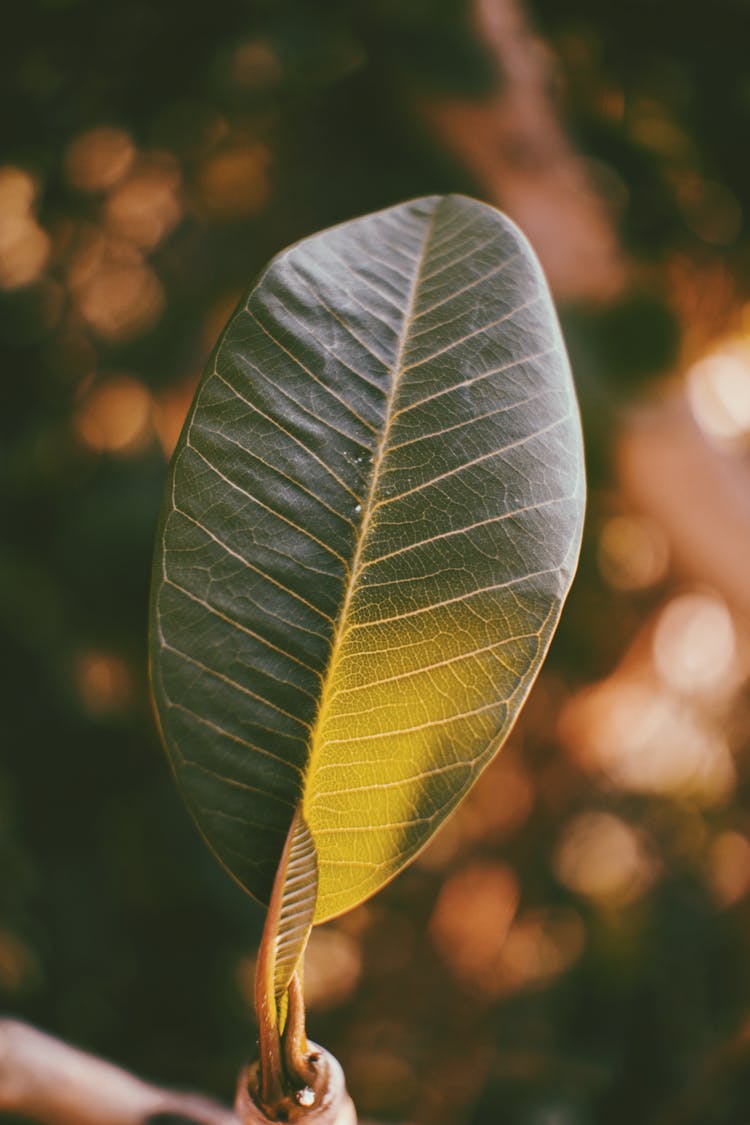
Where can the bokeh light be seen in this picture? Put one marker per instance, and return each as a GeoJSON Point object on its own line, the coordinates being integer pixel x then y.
{"type": "Point", "coordinates": [633, 552]}
{"type": "Point", "coordinates": [114, 416]}
{"type": "Point", "coordinates": [694, 644]}
{"type": "Point", "coordinates": [719, 393]}
{"type": "Point", "coordinates": [710, 209]}
{"type": "Point", "coordinates": [603, 858]}
{"type": "Point", "coordinates": [729, 867]}
{"type": "Point", "coordinates": [234, 182]}
{"type": "Point", "coordinates": [146, 206]}
{"type": "Point", "coordinates": [97, 159]}
{"type": "Point", "coordinates": [120, 299]}
{"type": "Point", "coordinates": [254, 64]}
{"type": "Point", "coordinates": [24, 245]}
{"type": "Point", "coordinates": [471, 919]}
{"type": "Point", "coordinates": [646, 741]}
{"type": "Point", "coordinates": [170, 410]}
{"type": "Point", "coordinates": [333, 967]}
{"type": "Point", "coordinates": [540, 946]}
{"type": "Point", "coordinates": [104, 683]}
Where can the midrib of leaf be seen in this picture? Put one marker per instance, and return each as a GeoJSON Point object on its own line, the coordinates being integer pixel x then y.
{"type": "Point", "coordinates": [367, 508]}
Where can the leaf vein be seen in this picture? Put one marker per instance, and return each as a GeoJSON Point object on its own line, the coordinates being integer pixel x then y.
{"type": "Point", "coordinates": [527, 508]}
{"type": "Point", "coordinates": [273, 512]}
{"type": "Point", "coordinates": [475, 332]}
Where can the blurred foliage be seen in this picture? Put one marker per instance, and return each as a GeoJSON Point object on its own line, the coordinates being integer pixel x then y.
{"type": "Point", "coordinates": [572, 949]}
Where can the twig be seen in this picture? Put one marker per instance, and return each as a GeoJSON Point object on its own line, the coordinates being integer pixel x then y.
{"type": "Point", "coordinates": [514, 143]}
{"type": "Point", "coordinates": [53, 1083]}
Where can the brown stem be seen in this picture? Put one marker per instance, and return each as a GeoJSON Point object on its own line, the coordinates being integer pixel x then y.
{"type": "Point", "coordinates": [297, 1058]}
{"type": "Point", "coordinates": [53, 1083]}
{"type": "Point", "coordinates": [272, 1085]}
{"type": "Point", "coordinates": [269, 1044]}
{"type": "Point", "coordinates": [285, 1067]}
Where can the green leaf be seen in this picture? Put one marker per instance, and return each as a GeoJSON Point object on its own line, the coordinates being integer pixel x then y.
{"type": "Point", "coordinates": [371, 523]}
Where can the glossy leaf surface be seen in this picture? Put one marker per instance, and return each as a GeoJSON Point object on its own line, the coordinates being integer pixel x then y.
{"type": "Point", "coordinates": [371, 524]}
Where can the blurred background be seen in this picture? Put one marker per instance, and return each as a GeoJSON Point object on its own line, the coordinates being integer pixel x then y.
{"type": "Point", "coordinates": [574, 947]}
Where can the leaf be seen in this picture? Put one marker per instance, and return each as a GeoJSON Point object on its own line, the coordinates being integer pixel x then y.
{"type": "Point", "coordinates": [288, 924]}
{"type": "Point", "coordinates": [298, 883]}
{"type": "Point", "coordinates": [290, 917]}
{"type": "Point", "coordinates": [371, 523]}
